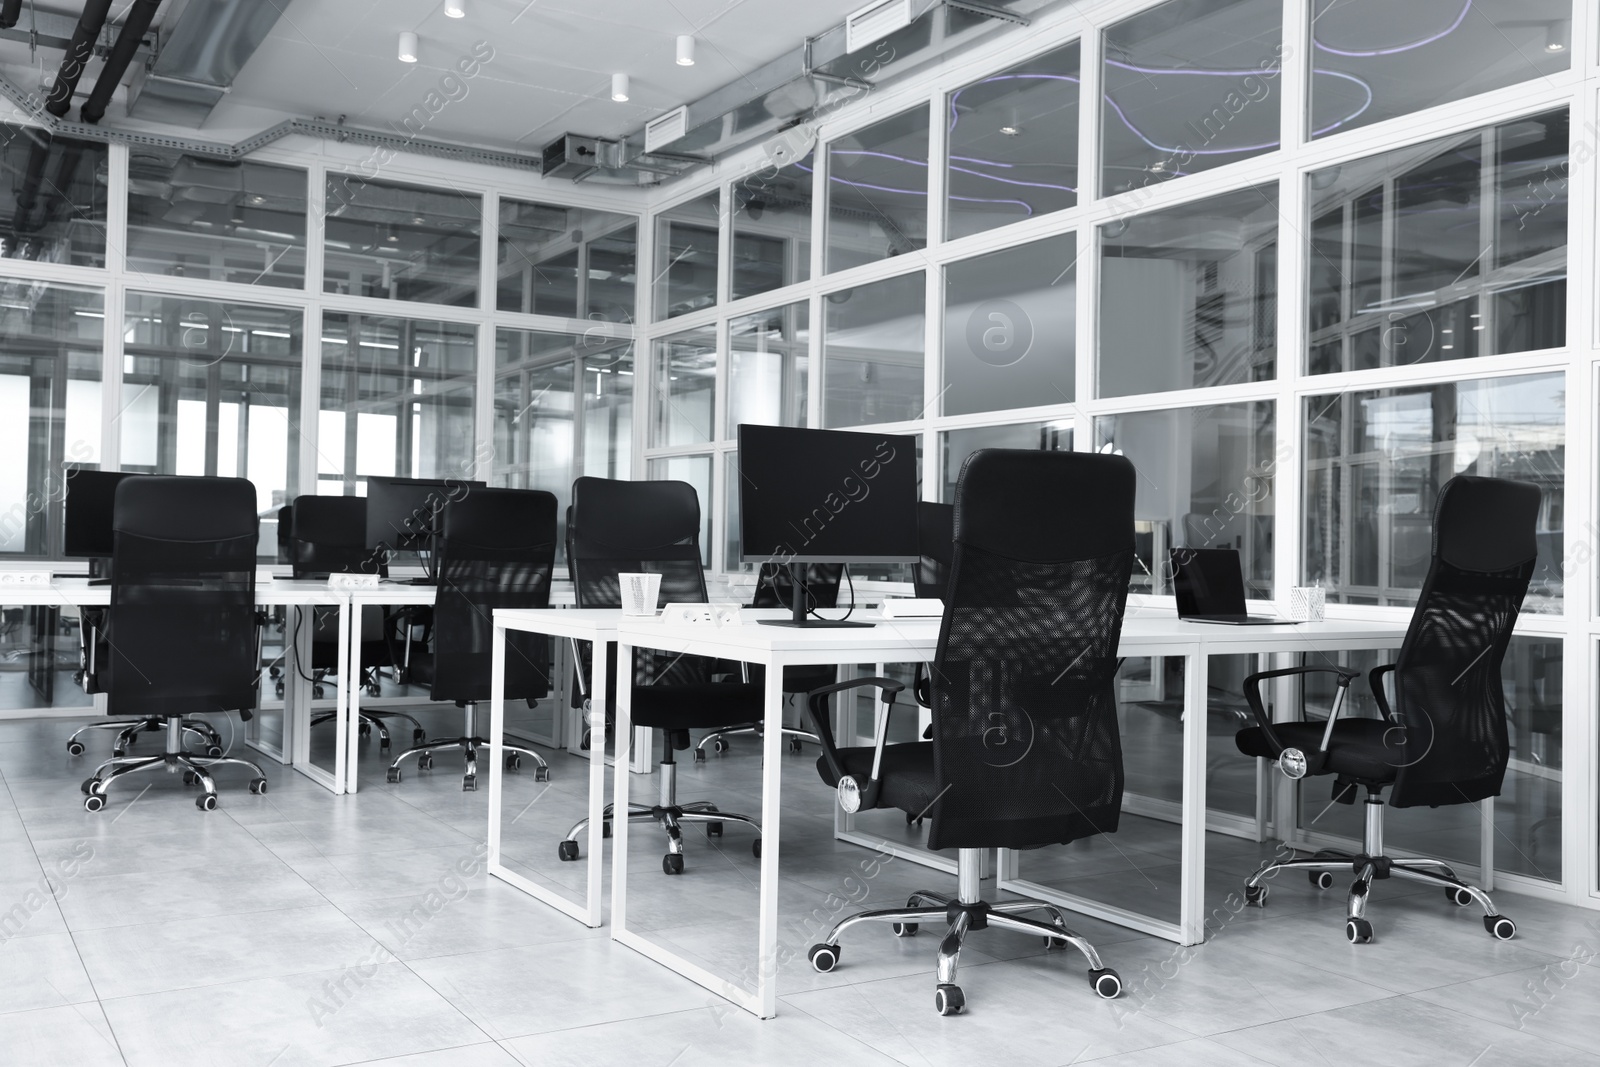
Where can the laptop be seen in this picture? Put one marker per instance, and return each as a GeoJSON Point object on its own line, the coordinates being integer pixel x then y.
{"type": "Point", "coordinates": [1209, 583]}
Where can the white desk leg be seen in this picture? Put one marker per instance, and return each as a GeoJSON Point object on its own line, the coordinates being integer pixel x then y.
{"type": "Point", "coordinates": [597, 784]}
{"type": "Point", "coordinates": [1486, 845]}
{"type": "Point", "coordinates": [297, 693]}
{"type": "Point", "coordinates": [771, 783]}
{"type": "Point", "coordinates": [1192, 903]}
{"type": "Point", "coordinates": [621, 792]}
{"type": "Point", "coordinates": [346, 751]}
{"type": "Point", "coordinates": [497, 733]}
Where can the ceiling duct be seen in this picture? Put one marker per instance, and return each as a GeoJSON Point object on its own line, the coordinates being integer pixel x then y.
{"type": "Point", "coordinates": [206, 47]}
{"type": "Point", "coordinates": [134, 27]}
{"type": "Point", "coordinates": [81, 47]}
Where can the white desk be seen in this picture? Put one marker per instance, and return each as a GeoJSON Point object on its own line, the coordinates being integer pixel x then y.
{"type": "Point", "coordinates": [1147, 633]}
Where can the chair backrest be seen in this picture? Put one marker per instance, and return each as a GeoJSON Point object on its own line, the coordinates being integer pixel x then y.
{"type": "Point", "coordinates": [775, 589]}
{"type": "Point", "coordinates": [328, 535]}
{"type": "Point", "coordinates": [181, 631]}
{"type": "Point", "coordinates": [935, 543]}
{"type": "Point", "coordinates": [1025, 740]}
{"type": "Point", "coordinates": [285, 545]}
{"type": "Point", "coordinates": [496, 549]}
{"type": "Point", "coordinates": [1448, 691]}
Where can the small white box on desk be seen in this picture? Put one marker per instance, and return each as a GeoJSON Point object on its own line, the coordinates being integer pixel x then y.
{"type": "Point", "coordinates": [913, 608]}
{"type": "Point", "coordinates": [701, 614]}
{"type": "Point", "coordinates": [352, 581]}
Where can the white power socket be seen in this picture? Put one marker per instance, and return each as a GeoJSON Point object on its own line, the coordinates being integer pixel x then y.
{"type": "Point", "coordinates": [27, 578]}
{"type": "Point", "coordinates": [352, 581]}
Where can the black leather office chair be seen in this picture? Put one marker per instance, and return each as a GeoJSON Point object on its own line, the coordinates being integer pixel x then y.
{"type": "Point", "coordinates": [617, 527]}
{"type": "Point", "coordinates": [182, 636]}
{"type": "Point", "coordinates": [496, 549]}
{"type": "Point", "coordinates": [1025, 750]}
{"type": "Point", "coordinates": [1444, 739]}
{"type": "Point", "coordinates": [775, 589]}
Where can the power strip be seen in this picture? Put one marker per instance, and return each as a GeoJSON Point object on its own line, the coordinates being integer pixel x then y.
{"type": "Point", "coordinates": [31, 579]}
{"type": "Point", "coordinates": [913, 608]}
{"type": "Point", "coordinates": [352, 581]}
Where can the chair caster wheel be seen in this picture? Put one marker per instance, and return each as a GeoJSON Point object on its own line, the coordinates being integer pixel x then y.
{"type": "Point", "coordinates": [418, 736]}
{"type": "Point", "coordinates": [190, 778]}
{"type": "Point", "coordinates": [119, 751]}
{"type": "Point", "coordinates": [384, 743]}
{"type": "Point", "coordinates": [513, 762]}
{"type": "Point", "coordinates": [541, 773]}
{"type": "Point", "coordinates": [1322, 879]}
{"type": "Point", "coordinates": [949, 1000]}
{"type": "Point", "coordinates": [208, 802]}
{"type": "Point", "coordinates": [672, 863]}
{"type": "Point", "coordinates": [393, 775]}
{"type": "Point", "coordinates": [1256, 895]}
{"type": "Point", "coordinates": [904, 929]}
{"type": "Point", "coordinates": [1459, 897]}
{"type": "Point", "coordinates": [469, 783]}
{"type": "Point", "coordinates": [90, 785]}
{"type": "Point", "coordinates": [74, 748]}
{"type": "Point", "coordinates": [258, 786]}
{"type": "Point", "coordinates": [316, 692]}
{"type": "Point", "coordinates": [214, 751]}
{"type": "Point", "coordinates": [94, 802]}
{"type": "Point", "coordinates": [278, 689]}
{"type": "Point", "coordinates": [605, 830]}
{"type": "Point", "coordinates": [425, 762]}
{"type": "Point", "coordinates": [699, 755]}
{"type": "Point", "coordinates": [567, 850]}
{"type": "Point", "coordinates": [713, 829]}
{"type": "Point", "coordinates": [824, 958]}
{"type": "Point", "coordinates": [366, 730]}
{"type": "Point", "coordinates": [1358, 931]}
{"type": "Point", "coordinates": [1107, 984]}
{"type": "Point", "coordinates": [755, 849]}
{"type": "Point", "coordinates": [1501, 927]}
{"type": "Point", "coordinates": [374, 690]}
{"type": "Point", "coordinates": [795, 746]}
{"type": "Point", "coordinates": [913, 820]}
{"type": "Point", "coordinates": [719, 746]}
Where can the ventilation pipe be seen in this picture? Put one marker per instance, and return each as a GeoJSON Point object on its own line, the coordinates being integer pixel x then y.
{"type": "Point", "coordinates": [90, 23]}
{"type": "Point", "coordinates": [134, 27]}
{"type": "Point", "coordinates": [10, 12]}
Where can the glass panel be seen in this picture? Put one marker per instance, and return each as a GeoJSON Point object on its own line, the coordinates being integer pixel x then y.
{"type": "Point", "coordinates": [1013, 145]}
{"type": "Point", "coordinates": [50, 344]}
{"type": "Point", "coordinates": [222, 382]}
{"type": "Point", "coordinates": [400, 242]}
{"type": "Point", "coordinates": [39, 657]}
{"type": "Point", "coordinates": [574, 262]}
{"type": "Point", "coordinates": [191, 217]}
{"type": "Point", "coordinates": [398, 398]}
{"type": "Point", "coordinates": [878, 191]}
{"type": "Point", "coordinates": [1374, 60]}
{"type": "Point", "coordinates": [1189, 86]}
{"type": "Point", "coordinates": [696, 470]}
{"type": "Point", "coordinates": [957, 445]}
{"type": "Point", "coordinates": [1010, 328]}
{"type": "Point", "coordinates": [685, 394]}
{"type": "Point", "coordinates": [772, 229]}
{"type": "Point", "coordinates": [1189, 295]}
{"type": "Point", "coordinates": [768, 367]}
{"type": "Point", "coordinates": [1375, 461]}
{"type": "Point", "coordinates": [52, 198]}
{"type": "Point", "coordinates": [1465, 277]}
{"type": "Point", "coordinates": [1205, 481]}
{"type": "Point", "coordinates": [686, 258]}
{"type": "Point", "coordinates": [873, 352]}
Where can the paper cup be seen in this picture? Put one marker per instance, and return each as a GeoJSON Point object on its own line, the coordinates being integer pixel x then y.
{"type": "Point", "coordinates": [639, 592]}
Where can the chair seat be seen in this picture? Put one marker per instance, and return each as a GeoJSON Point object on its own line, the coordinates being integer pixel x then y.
{"type": "Point", "coordinates": [705, 705]}
{"type": "Point", "coordinates": [1367, 750]}
{"type": "Point", "coordinates": [906, 774]}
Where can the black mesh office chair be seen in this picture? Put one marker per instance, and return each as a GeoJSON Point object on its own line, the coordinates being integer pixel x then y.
{"type": "Point", "coordinates": [182, 636]}
{"type": "Point", "coordinates": [496, 549]}
{"type": "Point", "coordinates": [775, 589]}
{"type": "Point", "coordinates": [1443, 741]}
{"type": "Point", "coordinates": [617, 527]}
{"type": "Point", "coordinates": [1025, 750]}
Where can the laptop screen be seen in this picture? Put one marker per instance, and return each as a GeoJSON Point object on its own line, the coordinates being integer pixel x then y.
{"type": "Point", "coordinates": [1207, 581]}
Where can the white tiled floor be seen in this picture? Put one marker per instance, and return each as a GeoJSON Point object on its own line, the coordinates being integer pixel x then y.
{"type": "Point", "coordinates": [285, 930]}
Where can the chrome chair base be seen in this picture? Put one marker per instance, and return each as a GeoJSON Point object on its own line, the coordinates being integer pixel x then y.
{"type": "Point", "coordinates": [717, 739]}
{"type": "Point", "coordinates": [128, 732]}
{"type": "Point", "coordinates": [196, 770]}
{"type": "Point", "coordinates": [469, 742]}
{"type": "Point", "coordinates": [379, 721]}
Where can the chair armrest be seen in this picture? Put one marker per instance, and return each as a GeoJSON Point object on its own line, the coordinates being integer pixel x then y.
{"type": "Point", "coordinates": [817, 703]}
{"type": "Point", "coordinates": [1252, 694]}
{"type": "Point", "coordinates": [1375, 679]}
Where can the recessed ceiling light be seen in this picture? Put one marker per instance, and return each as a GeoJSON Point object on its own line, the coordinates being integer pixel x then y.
{"type": "Point", "coordinates": [685, 50]}
{"type": "Point", "coordinates": [1556, 38]}
{"type": "Point", "coordinates": [408, 46]}
{"type": "Point", "coordinates": [619, 88]}
{"type": "Point", "coordinates": [456, 9]}
{"type": "Point", "coordinates": [1011, 131]}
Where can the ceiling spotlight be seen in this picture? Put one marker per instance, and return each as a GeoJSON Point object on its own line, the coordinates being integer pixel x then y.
{"type": "Point", "coordinates": [619, 88]}
{"type": "Point", "coordinates": [1011, 131]}
{"type": "Point", "coordinates": [1556, 36]}
{"type": "Point", "coordinates": [685, 50]}
{"type": "Point", "coordinates": [456, 9]}
{"type": "Point", "coordinates": [408, 46]}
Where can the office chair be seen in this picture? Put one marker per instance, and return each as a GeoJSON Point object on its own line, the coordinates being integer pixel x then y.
{"type": "Point", "coordinates": [1444, 740]}
{"type": "Point", "coordinates": [495, 549]}
{"type": "Point", "coordinates": [328, 535]}
{"type": "Point", "coordinates": [936, 547]}
{"type": "Point", "coordinates": [1025, 750]}
{"type": "Point", "coordinates": [775, 589]}
{"type": "Point", "coordinates": [182, 635]}
{"type": "Point", "coordinates": [617, 527]}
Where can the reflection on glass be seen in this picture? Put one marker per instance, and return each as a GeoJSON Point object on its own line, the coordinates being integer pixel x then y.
{"type": "Point", "coordinates": [221, 220]}
{"type": "Point", "coordinates": [1189, 295]}
{"type": "Point", "coordinates": [1439, 290]}
{"type": "Point", "coordinates": [1373, 60]}
{"type": "Point", "coordinates": [686, 258]}
{"type": "Point", "coordinates": [213, 389]}
{"type": "Point", "coordinates": [50, 344]}
{"type": "Point", "coordinates": [401, 242]}
{"type": "Point", "coordinates": [1013, 145]}
{"type": "Point", "coordinates": [397, 400]}
{"type": "Point", "coordinates": [577, 263]}
{"type": "Point", "coordinates": [878, 191]}
{"type": "Point", "coordinates": [873, 352]}
{"type": "Point", "coordinates": [52, 197]}
{"type": "Point", "coordinates": [768, 367]}
{"type": "Point", "coordinates": [1190, 85]}
{"type": "Point", "coordinates": [696, 470]}
{"type": "Point", "coordinates": [772, 229]}
{"type": "Point", "coordinates": [1010, 328]}
{"type": "Point", "coordinates": [1205, 481]}
{"type": "Point", "coordinates": [607, 412]}
{"type": "Point", "coordinates": [685, 388]}
{"type": "Point", "coordinates": [40, 646]}
{"type": "Point", "coordinates": [958, 445]}
{"type": "Point", "coordinates": [1375, 461]}
{"type": "Point", "coordinates": [1150, 713]}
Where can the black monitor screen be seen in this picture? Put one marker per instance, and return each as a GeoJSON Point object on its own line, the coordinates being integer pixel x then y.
{"type": "Point", "coordinates": [403, 513]}
{"type": "Point", "coordinates": [826, 496]}
{"type": "Point", "coordinates": [86, 518]}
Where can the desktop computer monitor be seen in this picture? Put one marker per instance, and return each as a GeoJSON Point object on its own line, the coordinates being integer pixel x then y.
{"type": "Point", "coordinates": [86, 514]}
{"type": "Point", "coordinates": [825, 496]}
{"type": "Point", "coordinates": [403, 514]}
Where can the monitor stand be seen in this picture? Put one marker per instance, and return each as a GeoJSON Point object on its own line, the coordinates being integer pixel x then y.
{"type": "Point", "coordinates": [797, 580]}
{"type": "Point", "coordinates": [99, 571]}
